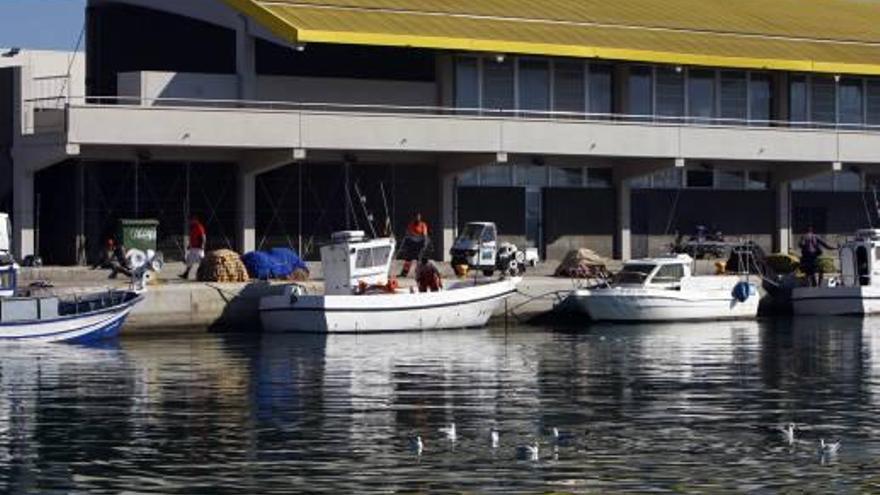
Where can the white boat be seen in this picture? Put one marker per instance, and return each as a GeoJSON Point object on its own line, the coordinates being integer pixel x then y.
{"type": "Point", "coordinates": [856, 291]}
{"type": "Point", "coordinates": [665, 289]}
{"type": "Point", "coordinates": [360, 296]}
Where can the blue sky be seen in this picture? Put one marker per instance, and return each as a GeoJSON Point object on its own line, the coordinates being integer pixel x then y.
{"type": "Point", "coordinates": [46, 24]}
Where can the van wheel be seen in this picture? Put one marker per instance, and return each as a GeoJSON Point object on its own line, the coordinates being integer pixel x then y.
{"type": "Point", "coordinates": [488, 273]}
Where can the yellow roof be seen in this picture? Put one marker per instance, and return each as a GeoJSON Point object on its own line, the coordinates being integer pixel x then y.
{"type": "Point", "coordinates": [833, 36]}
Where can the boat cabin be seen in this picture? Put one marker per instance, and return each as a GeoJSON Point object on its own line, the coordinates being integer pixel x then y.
{"type": "Point", "coordinates": [860, 259]}
{"type": "Point", "coordinates": [351, 260]}
{"type": "Point", "coordinates": [661, 273]}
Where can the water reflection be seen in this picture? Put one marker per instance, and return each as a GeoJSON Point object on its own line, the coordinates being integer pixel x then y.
{"type": "Point", "coordinates": [675, 407]}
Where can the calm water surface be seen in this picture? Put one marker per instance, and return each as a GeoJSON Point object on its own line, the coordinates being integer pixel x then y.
{"type": "Point", "coordinates": [677, 408]}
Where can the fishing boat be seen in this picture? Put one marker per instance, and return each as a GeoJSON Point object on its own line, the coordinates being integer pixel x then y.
{"type": "Point", "coordinates": [360, 296]}
{"type": "Point", "coordinates": [665, 289]}
{"type": "Point", "coordinates": [856, 291]}
{"type": "Point", "coordinates": [76, 318]}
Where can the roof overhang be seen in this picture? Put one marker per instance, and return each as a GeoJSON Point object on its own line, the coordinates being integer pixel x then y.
{"type": "Point", "coordinates": [749, 34]}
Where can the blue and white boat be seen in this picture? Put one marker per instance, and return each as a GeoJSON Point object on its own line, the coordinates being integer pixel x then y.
{"type": "Point", "coordinates": [79, 319]}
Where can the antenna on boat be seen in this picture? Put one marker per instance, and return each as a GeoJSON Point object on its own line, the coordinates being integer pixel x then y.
{"type": "Point", "coordinates": [388, 225]}
{"type": "Point", "coordinates": [363, 201]}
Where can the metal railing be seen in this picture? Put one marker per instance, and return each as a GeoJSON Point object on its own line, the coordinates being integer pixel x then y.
{"type": "Point", "coordinates": [62, 102]}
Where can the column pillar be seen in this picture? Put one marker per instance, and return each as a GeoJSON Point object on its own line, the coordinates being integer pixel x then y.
{"type": "Point", "coordinates": [245, 60]}
{"type": "Point", "coordinates": [623, 236]}
{"type": "Point", "coordinates": [247, 211]}
{"type": "Point", "coordinates": [448, 214]}
{"type": "Point", "coordinates": [23, 217]}
{"type": "Point", "coordinates": [782, 242]}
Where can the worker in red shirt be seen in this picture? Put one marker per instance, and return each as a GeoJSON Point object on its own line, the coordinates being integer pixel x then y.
{"type": "Point", "coordinates": [195, 252]}
{"type": "Point", "coordinates": [415, 243]}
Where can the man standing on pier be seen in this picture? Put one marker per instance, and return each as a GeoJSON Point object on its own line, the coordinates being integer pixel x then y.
{"type": "Point", "coordinates": [415, 243]}
{"type": "Point", "coordinates": [198, 238]}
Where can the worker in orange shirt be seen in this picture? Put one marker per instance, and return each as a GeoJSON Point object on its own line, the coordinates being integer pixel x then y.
{"type": "Point", "coordinates": [415, 243]}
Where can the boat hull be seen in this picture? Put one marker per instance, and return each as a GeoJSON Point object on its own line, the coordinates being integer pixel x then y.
{"type": "Point", "coordinates": [634, 305]}
{"type": "Point", "coordinates": [83, 328]}
{"type": "Point", "coordinates": [463, 307]}
{"type": "Point", "coordinates": [831, 301]}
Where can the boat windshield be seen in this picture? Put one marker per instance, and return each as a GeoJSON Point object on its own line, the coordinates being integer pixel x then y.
{"type": "Point", "coordinates": [7, 279]}
{"type": "Point", "coordinates": [633, 273]}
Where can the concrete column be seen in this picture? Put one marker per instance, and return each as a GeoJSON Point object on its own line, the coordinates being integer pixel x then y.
{"type": "Point", "coordinates": [623, 239]}
{"type": "Point", "coordinates": [245, 60]}
{"type": "Point", "coordinates": [247, 210]}
{"type": "Point", "coordinates": [448, 214]}
{"type": "Point", "coordinates": [23, 217]}
{"type": "Point", "coordinates": [782, 242]}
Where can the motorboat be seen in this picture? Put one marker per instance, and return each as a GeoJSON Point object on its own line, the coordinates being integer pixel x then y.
{"type": "Point", "coordinates": [856, 291]}
{"type": "Point", "coordinates": [360, 295]}
{"type": "Point", "coordinates": [76, 318]}
{"type": "Point", "coordinates": [665, 289]}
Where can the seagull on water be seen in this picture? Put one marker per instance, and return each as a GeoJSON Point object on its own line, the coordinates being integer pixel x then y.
{"type": "Point", "coordinates": [828, 448]}
{"type": "Point", "coordinates": [494, 437]}
{"type": "Point", "coordinates": [449, 431]}
{"type": "Point", "coordinates": [416, 445]}
{"type": "Point", "coordinates": [788, 433]}
{"type": "Point", "coordinates": [527, 452]}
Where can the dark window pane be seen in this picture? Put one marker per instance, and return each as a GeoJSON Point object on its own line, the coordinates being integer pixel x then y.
{"type": "Point", "coordinates": [670, 92]}
{"type": "Point", "coordinates": [849, 94]}
{"type": "Point", "coordinates": [731, 179]}
{"type": "Point", "coordinates": [701, 94]}
{"type": "Point", "coordinates": [873, 101]}
{"type": "Point", "coordinates": [467, 83]}
{"type": "Point", "coordinates": [497, 84]}
{"type": "Point", "coordinates": [641, 97]}
{"type": "Point", "coordinates": [534, 85]}
{"type": "Point", "coordinates": [568, 87]}
{"type": "Point", "coordinates": [600, 89]}
{"type": "Point", "coordinates": [761, 96]}
{"type": "Point", "coordinates": [797, 99]}
{"type": "Point", "coordinates": [699, 178]}
{"type": "Point", "coordinates": [822, 104]}
{"type": "Point", "coordinates": [599, 177]}
{"type": "Point", "coordinates": [734, 96]}
{"type": "Point", "coordinates": [566, 176]}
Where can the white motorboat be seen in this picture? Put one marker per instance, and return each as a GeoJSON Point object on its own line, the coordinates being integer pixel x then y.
{"type": "Point", "coordinates": [360, 296]}
{"type": "Point", "coordinates": [856, 291]}
{"type": "Point", "coordinates": [665, 289]}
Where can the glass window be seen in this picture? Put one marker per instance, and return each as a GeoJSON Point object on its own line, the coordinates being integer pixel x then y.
{"type": "Point", "coordinates": [822, 101]}
{"type": "Point", "coordinates": [667, 179]}
{"type": "Point", "coordinates": [758, 180]}
{"type": "Point", "coordinates": [761, 98]}
{"type": "Point", "coordinates": [601, 89]}
{"type": "Point", "coordinates": [370, 257]}
{"type": "Point", "coordinates": [668, 274]}
{"type": "Point", "coordinates": [872, 103]}
{"type": "Point", "coordinates": [797, 100]}
{"type": "Point", "coordinates": [670, 92]}
{"type": "Point", "coordinates": [569, 94]}
{"type": "Point", "coordinates": [531, 175]}
{"type": "Point", "coordinates": [700, 178]}
{"type": "Point", "coordinates": [731, 179]}
{"type": "Point", "coordinates": [824, 182]}
{"type": "Point", "coordinates": [640, 91]}
{"type": "Point", "coordinates": [534, 84]}
{"type": "Point", "coordinates": [497, 84]}
{"type": "Point", "coordinates": [633, 273]}
{"type": "Point", "coordinates": [469, 177]}
{"type": "Point", "coordinates": [849, 95]}
{"type": "Point", "coordinates": [6, 280]}
{"type": "Point", "coordinates": [701, 94]}
{"type": "Point", "coordinates": [566, 176]}
{"type": "Point", "coordinates": [495, 175]}
{"type": "Point", "coordinates": [467, 83]}
{"type": "Point", "coordinates": [643, 182]}
{"type": "Point", "coordinates": [599, 177]}
{"type": "Point", "coordinates": [734, 96]}
{"type": "Point", "coordinates": [847, 180]}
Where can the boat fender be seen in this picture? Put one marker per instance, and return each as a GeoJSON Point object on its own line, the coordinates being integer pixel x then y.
{"type": "Point", "coordinates": [742, 291]}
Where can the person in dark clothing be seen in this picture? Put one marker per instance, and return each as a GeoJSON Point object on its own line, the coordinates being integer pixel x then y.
{"type": "Point", "coordinates": [113, 259]}
{"type": "Point", "coordinates": [811, 249]}
{"type": "Point", "coordinates": [428, 276]}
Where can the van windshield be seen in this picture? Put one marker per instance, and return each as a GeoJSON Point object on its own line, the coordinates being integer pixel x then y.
{"type": "Point", "coordinates": [472, 232]}
{"type": "Point", "coordinates": [633, 273]}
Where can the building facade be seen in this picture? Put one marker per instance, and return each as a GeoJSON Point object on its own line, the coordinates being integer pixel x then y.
{"type": "Point", "coordinates": [581, 123]}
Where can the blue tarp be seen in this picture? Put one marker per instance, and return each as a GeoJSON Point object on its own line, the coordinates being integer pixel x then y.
{"type": "Point", "coordinates": [274, 263]}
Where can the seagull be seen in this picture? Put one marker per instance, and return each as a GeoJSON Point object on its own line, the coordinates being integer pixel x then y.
{"type": "Point", "coordinates": [828, 448]}
{"type": "Point", "coordinates": [494, 437]}
{"type": "Point", "coordinates": [788, 433]}
{"type": "Point", "coordinates": [416, 445]}
{"type": "Point", "coordinates": [527, 452]}
{"type": "Point", "coordinates": [449, 431]}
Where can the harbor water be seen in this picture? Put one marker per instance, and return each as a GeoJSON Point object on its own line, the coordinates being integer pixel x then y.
{"type": "Point", "coordinates": [668, 408]}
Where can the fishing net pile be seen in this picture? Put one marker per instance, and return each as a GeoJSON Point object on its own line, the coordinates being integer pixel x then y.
{"type": "Point", "coordinates": [276, 263]}
{"type": "Point", "coordinates": [582, 263]}
{"type": "Point", "coordinates": [222, 265]}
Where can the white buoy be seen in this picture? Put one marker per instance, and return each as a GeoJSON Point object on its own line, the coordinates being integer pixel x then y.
{"type": "Point", "coordinates": [449, 431]}
{"type": "Point", "coordinates": [495, 438]}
